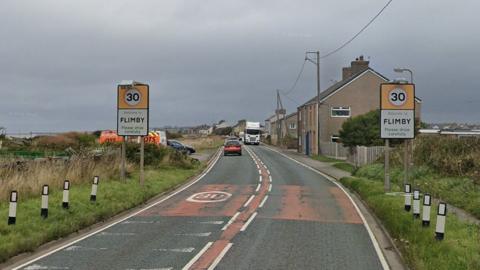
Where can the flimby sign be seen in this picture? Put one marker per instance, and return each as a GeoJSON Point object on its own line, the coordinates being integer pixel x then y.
{"type": "Point", "coordinates": [397, 104]}
{"type": "Point", "coordinates": [132, 108]}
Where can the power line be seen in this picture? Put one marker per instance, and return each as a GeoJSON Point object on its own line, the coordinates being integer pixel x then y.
{"type": "Point", "coordinates": [359, 32]}
{"type": "Point", "coordinates": [296, 80]}
{"type": "Point", "coordinates": [291, 99]}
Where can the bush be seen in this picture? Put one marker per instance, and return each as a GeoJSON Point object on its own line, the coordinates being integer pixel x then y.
{"type": "Point", "coordinates": [75, 140]}
{"type": "Point", "coordinates": [173, 135]}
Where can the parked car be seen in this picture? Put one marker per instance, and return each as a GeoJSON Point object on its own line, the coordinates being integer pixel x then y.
{"type": "Point", "coordinates": [186, 149]}
{"type": "Point", "coordinates": [232, 147]}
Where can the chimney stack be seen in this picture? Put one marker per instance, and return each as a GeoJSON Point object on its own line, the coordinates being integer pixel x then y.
{"type": "Point", "coordinates": [357, 66]}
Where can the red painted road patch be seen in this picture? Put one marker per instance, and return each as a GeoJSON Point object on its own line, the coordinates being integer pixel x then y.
{"type": "Point", "coordinates": [209, 197]}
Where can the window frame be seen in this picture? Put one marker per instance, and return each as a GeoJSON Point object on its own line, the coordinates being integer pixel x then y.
{"type": "Point", "coordinates": [341, 108]}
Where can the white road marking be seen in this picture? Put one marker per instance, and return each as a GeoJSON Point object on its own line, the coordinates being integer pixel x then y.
{"type": "Point", "coordinates": [42, 267]}
{"type": "Point", "coordinates": [230, 221]}
{"type": "Point", "coordinates": [215, 222]}
{"type": "Point", "coordinates": [270, 188]}
{"type": "Point", "coordinates": [80, 248]}
{"type": "Point", "coordinates": [263, 201]}
{"type": "Point", "coordinates": [270, 178]}
{"type": "Point", "coordinates": [260, 179]}
{"type": "Point", "coordinates": [258, 167]}
{"type": "Point", "coordinates": [249, 201]}
{"type": "Point", "coordinates": [258, 187]}
{"type": "Point", "coordinates": [244, 227]}
{"type": "Point", "coordinates": [199, 254]}
{"type": "Point", "coordinates": [379, 252]}
{"type": "Point", "coordinates": [115, 234]}
{"type": "Point", "coordinates": [268, 172]}
{"type": "Point", "coordinates": [137, 222]}
{"type": "Point", "coordinates": [259, 171]}
{"type": "Point", "coordinates": [220, 256]}
{"type": "Point", "coordinates": [200, 177]}
{"type": "Point", "coordinates": [205, 234]}
{"type": "Point", "coordinates": [181, 250]}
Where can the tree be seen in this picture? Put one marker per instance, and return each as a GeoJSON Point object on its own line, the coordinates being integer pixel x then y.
{"type": "Point", "coordinates": [362, 130]}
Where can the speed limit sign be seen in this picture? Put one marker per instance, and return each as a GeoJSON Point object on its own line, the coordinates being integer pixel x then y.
{"type": "Point", "coordinates": [397, 104]}
{"type": "Point", "coordinates": [132, 109]}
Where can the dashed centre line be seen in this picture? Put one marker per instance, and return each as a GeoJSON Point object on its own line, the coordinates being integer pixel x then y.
{"type": "Point", "coordinates": [244, 227]}
{"type": "Point", "coordinates": [249, 201]}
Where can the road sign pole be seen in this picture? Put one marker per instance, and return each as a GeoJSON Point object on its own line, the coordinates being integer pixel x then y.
{"type": "Point", "coordinates": [142, 154]}
{"type": "Point", "coordinates": [405, 162]}
{"type": "Point", "coordinates": [123, 156]}
{"type": "Point", "coordinates": [387, 165]}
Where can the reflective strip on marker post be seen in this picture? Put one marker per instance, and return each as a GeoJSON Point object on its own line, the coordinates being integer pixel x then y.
{"type": "Point", "coordinates": [408, 197]}
{"type": "Point", "coordinates": [441, 217]}
{"type": "Point", "coordinates": [427, 203]}
{"type": "Point", "coordinates": [12, 210]}
{"type": "Point", "coordinates": [44, 210]}
{"type": "Point", "coordinates": [93, 195]}
{"type": "Point", "coordinates": [416, 203]}
{"type": "Point", "coordinates": [66, 190]}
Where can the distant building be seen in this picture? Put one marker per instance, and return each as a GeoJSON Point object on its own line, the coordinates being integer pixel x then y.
{"type": "Point", "coordinates": [287, 124]}
{"type": "Point", "coordinates": [357, 93]}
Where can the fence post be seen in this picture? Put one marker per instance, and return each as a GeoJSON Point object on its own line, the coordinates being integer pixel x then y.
{"type": "Point", "coordinates": [66, 189]}
{"type": "Point", "coordinates": [365, 161]}
{"type": "Point", "coordinates": [336, 150]}
{"type": "Point", "coordinates": [93, 195]}
{"type": "Point", "coordinates": [44, 209]}
{"type": "Point", "coordinates": [12, 210]}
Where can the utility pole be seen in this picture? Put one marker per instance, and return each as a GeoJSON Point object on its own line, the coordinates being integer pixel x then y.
{"type": "Point", "coordinates": [279, 111]}
{"type": "Point", "coordinates": [317, 63]}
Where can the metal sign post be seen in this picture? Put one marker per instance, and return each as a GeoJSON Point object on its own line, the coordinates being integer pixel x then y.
{"type": "Point", "coordinates": [397, 117]}
{"type": "Point", "coordinates": [132, 116]}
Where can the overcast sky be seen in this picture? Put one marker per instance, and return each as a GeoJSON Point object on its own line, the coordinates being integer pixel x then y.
{"type": "Point", "coordinates": [206, 60]}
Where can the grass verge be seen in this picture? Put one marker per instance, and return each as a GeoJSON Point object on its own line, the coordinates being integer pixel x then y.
{"type": "Point", "coordinates": [113, 197]}
{"type": "Point", "coordinates": [337, 163]}
{"type": "Point", "coordinates": [459, 191]}
{"type": "Point", "coordinates": [459, 250]}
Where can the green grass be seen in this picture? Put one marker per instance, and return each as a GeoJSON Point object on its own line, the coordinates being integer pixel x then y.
{"type": "Point", "coordinates": [113, 197]}
{"type": "Point", "coordinates": [345, 166]}
{"type": "Point", "coordinates": [324, 158]}
{"type": "Point", "coordinates": [458, 191]}
{"type": "Point", "coordinates": [459, 250]}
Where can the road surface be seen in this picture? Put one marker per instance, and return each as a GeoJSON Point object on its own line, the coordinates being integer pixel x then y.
{"type": "Point", "coordinates": [260, 210]}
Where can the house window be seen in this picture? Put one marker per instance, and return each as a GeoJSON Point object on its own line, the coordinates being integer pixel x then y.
{"type": "Point", "coordinates": [340, 112]}
{"type": "Point", "coordinates": [292, 126]}
{"type": "Point", "coordinates": [335, 138]}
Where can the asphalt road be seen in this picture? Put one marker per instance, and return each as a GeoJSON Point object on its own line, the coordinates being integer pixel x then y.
{"type": "Point", "coordinates": [256, 211]}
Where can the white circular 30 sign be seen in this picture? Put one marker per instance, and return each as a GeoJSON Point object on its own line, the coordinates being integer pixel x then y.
{"type": "Point", "coordinates": [132, 97]}
{"type": "Point", "coordinates": [397, 97]}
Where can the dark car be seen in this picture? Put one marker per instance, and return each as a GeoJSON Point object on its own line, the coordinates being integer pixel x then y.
{"type": "Point", "coordinates": [232, 147]}
{"type": "Point", "coordinates": [186, 149]}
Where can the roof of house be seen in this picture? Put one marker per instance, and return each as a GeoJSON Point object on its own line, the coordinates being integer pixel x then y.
{"type": "Point", "coordinates": [339, 85]}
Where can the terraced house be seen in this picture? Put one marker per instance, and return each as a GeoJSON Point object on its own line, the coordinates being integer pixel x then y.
{"type": "Point", "coordinates": [357, 93]}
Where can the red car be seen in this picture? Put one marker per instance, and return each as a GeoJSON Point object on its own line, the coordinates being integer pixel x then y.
{"type": "Point", "coordinates": [232, 147]}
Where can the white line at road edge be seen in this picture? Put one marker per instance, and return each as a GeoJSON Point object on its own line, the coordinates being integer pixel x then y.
{"type": "Point", "coordinates": [211, 165]}
{"type": "Point", "coordinates": [220, 256]}
{"type": "Point", "coordinates": [199, 254]}
{"type": "Point", "coordinates": [258, 187]}
{"type": "Point", "coordinates": [250, 219]}
{"type": "Point", "coordinates": [381, 257]}
{"type": "Point", "coordinates": [270, 188]}
{"type": "Point", "coordinates": [263, 201]}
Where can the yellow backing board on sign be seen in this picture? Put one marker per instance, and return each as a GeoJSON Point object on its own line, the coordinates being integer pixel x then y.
{"type": "Point", "coordinates": [397, 96]}
{"type": "Point", "coordinates": [135, 97]}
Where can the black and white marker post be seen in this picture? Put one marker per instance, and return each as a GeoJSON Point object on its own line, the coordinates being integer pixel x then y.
{"type": "Point", "coordinates": [66, 190]}
{"type": "Point", "coordinates": [408, 197]}
{"type": "Point", "coordinates": [12, 210]}
{"type": "Point", "coordinates": [44, 210]}
{"type": "Point", "coordinates": [93, 195]}
{"type": "Point", "coordinates": [416, 203]}
{"type": "Point", "coordinates": [441, 216]}
{"type": "Point", "coordinates": [427, 204]}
